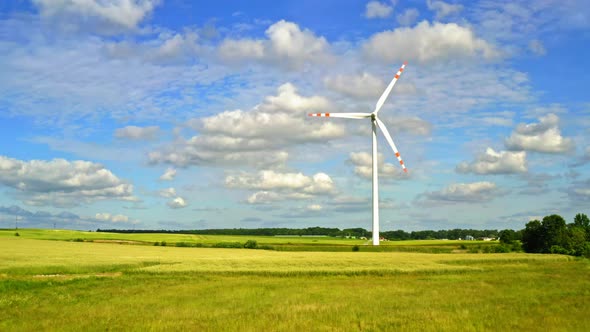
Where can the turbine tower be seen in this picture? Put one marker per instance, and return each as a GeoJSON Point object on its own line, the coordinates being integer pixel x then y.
{"type": "Point", "coordinates": [375, 122]}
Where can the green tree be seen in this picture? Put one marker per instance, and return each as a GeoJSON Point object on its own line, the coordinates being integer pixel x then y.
{"type": "Point", "coordinates": [532, 237]}
{"type": "Point", "coordinates": [576, 241]}
{"type": "Point", "coordinates": [581, 220]}
{"type": "Point", "coordinates": [507, 236]}
{"type": "Point", "coordinates": [553, 233]}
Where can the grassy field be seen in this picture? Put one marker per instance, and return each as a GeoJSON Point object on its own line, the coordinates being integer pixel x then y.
{"type": "Point", "coordinates": [61, 285]}
{"type": "Point", "coordinates": [286, 243]}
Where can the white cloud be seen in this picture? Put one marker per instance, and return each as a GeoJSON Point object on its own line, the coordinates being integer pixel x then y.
{"type": "Point", "coordinates": [464, 192]}
{"type": "Point", "coordinates": [138, 133]}
{"type": "Point", "coordinates": [177, 203]}
{"type": "Point", "coordinates": [363, 166]}
{"type": "Point", "coordinates": [443, 9]}
{"type": "Point", "coordinates": [498, 121]}
{"type": "Point", "coordinates": [314, 207]}
{"type": "Point", "coordinates": [376, 9]}
{"type": "Point", "coordinates": [107, 14]}
{"type": "Point", "coordinates": [492, 162]}
{"type": "Point", "coordinates": [269, 180]}
{"type": "Point", "coordinates": [579, 192]}
{"type": "Point", "coordinates": [536, 46]}
{"type": "Point", "coordinates": [364, 85]}
{"type": "Point", "coordinates": [256, 137]}
{"type": "Point", "coordinates": [263, 197]}
{"type": "Point", "coordinates": [113, 218]}
{"type": "Point", "coordinates": [62, 183]}
{"type": "Point", "coordinates": [169, 174]}
{"type": "Point", "coordinates": [412, 125]}
{"type": "Point", "coordinates": [44, 219]}
{"type": "Point", "coordinates": [544, 137]}
{"type": "Point", "coordinates": [286, 45]}
{"type": "Point", "coordinates": [427, 42]}
{"type": "Point", "coordinates": [273, 186]}
{"type": "Point", "coordinates": [168, 192]}
{"type": "Point", "coordinates": [408, 17]}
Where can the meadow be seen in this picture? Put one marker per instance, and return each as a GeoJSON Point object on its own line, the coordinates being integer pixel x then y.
{"type": "Point", "coordinates": [73, 285]}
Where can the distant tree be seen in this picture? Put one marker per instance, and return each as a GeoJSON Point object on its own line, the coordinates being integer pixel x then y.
{"type": "Point", "coordinates": [575, 242]}
{"type": "Point", "coordinates": [554, 232]}
{"type": "Point", "coordinates": [507, 236]}
{"type": "Point", "coordinates": [581, 220]}
{"type": "Point", "coordinates": [532, 240]}
{"type": "Point", "coordinates": [251, 244]}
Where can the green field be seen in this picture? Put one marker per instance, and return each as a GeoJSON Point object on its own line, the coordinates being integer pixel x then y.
{"type": "Point", "coordinates": [67, 285]}
{"type": "Point", "coordinates": [281, 243]}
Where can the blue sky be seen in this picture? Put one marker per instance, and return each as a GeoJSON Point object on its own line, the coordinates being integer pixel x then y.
{"type": "Point", "coordinates": [176, 114]}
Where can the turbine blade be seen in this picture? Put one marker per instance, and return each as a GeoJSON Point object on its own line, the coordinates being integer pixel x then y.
{"type": "Point", "coordinates": [342, 115]}
{"type": "Point", "coordinates": [381, 100]}
{"type": "Point", "coordinates": [390, 141]}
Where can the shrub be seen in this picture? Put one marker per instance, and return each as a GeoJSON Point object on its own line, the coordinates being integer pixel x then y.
{"type": "Point", "coordinates": [163, 243]}
{"type": "Point", "coordinates": [156, 243]}
{"type": "Point", "coordinates": [16, 234]}
{"type": "Point", "coordinates": [228, 245]}
{"type": "Point", "coordinates": [463, 247]}
{"type": "Point", "coordinates": [182, 244]}
{"type": "Point", "coordinates": [251, 244]}
{"type": "Point", "coordinates": [355, 248]}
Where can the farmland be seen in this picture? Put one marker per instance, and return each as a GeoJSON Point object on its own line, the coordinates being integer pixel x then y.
{"type": "Point", "coordinates": [57, 285]}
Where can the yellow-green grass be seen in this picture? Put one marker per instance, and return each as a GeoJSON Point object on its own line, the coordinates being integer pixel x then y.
{"type": "Point", "coordinates": [58, 285]}
{"type": "Point", "coordinates": [171, 239]}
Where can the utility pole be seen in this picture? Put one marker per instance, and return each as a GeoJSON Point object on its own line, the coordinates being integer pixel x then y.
{"type": "Point", "coordinates": [16, 221]}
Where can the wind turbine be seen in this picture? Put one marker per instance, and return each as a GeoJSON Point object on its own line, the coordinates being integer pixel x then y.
{"type": "Point", "coordinates": [375, 122]}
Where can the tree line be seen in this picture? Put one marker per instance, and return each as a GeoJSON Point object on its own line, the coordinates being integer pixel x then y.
{"type": "Point", "coordinates": [451, 234]}
{"type": "Point", "coordinates": [550, 235]}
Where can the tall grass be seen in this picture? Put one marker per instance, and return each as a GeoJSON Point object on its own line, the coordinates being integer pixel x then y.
{"type": "Point", "coordinates": [72, 286]}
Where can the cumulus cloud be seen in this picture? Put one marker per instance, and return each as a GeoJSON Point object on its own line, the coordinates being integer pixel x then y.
{"type": "Point", "coordinates": [274, 186]}
{"type": "Point", "coordinates": [464, 192]}
{"type": "Point", "coordinates": [579, 192]}
{"type": "Point", "coordinates": [320, 183]}
{"type": "Point", "coordinates": [113, 218]}
{"type": "Point", "coordinates": [169, 174]}
{"type": "Point", "coordinates": [104, 14]}
{"type": "Point", "coordinates": [543, 136]}
{"type": "Point", "coordinates": [536, 46]}
{"type": "Point", "coordinates": [376, 9]}
{"type": "Point", "coordinates": [412, 125]}
{"type": "Point", "coordinates": [177, 203]}
{"type": "Point", "coordinates": [408, 17]}
{"type": "Point", "coordinates": [427, 42]}
{"type": "Point", "coordinates": [286, 44]}
{"type": "Point", "coordinates": [363, 166]}
{"type": "Point", "coordinates": [314, 207]}
{"type": "Point", "coordinates": [167, 48]}
{"type": "Point", "coordinates": [363, 85]}
{"type": "Point", "coordinates": [167, 192]}
{"type": "Point", "coordinates": [443, 9]}
{"type": "Point", "coordinates": [138, 133]}
{"type": "Point", "coordinates": [256, 137]}
{"type": "Point", "coordinates": [44, 219]}
{"type": "Point", "coordinates": [492, 162]}
{"type": "Point", "coordinates": [62, 183]}
{"type": "Point", "coordinates": [263, 197]}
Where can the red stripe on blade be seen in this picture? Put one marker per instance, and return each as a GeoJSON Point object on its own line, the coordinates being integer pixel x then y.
{"type": "Point", "coordinates": [397, 154]}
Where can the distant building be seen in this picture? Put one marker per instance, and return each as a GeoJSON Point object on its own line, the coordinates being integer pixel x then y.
{"type": "Point", "coordinates": [469, 238]}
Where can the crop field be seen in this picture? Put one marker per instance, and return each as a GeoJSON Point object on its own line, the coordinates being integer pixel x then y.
{"type": "Point", "coordinates": [282, 243]}
{"type": "Point", "coordinates": [74, 285]}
